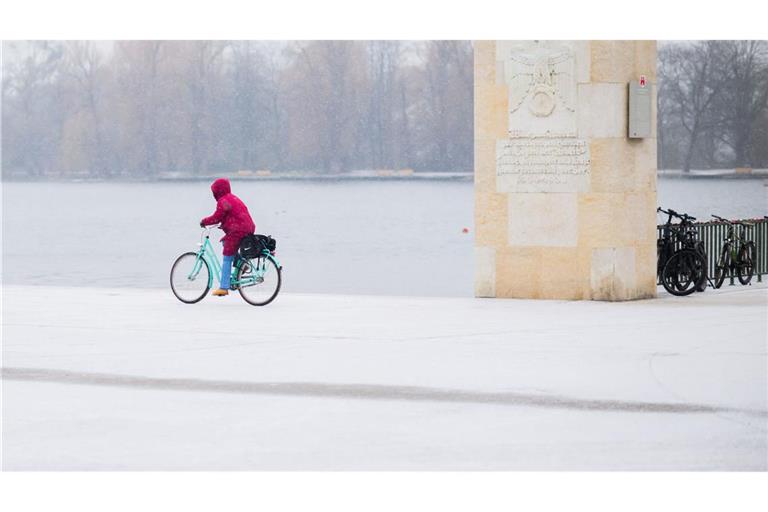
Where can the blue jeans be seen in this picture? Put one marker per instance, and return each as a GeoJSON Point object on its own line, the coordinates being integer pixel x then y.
{"type": "Point", "coordinates": [226, 271]}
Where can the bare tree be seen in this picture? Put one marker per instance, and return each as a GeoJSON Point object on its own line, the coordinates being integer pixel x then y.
{"type": "Point", "coordinates": [383, 66]}
{"type": "Point", "coordinates": [277, 126]}
{"type": "Point", "coordinates": [712, 98]}
{"type": "Point", "coordinates": [140, 80]}
{"type": "Point", "coordinates": [248, 102]}
{"type": "Point", "coordinates": [326, 77]}
{"type": "Point", "coordinates": [202, 69]}
{"type": "Point", "coordinates": [745, 96]}
{"type": "Point", "coordinates": [448, 105]}
{"type": "Point", "coordinates": [30, 139]}
{"type": "Point", "coordinates": [692, 80]}
{"type": "Point", "coordinates": [83, 65]}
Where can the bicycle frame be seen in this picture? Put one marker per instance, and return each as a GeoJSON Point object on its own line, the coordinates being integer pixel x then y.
{"type": "Point", "coordinates": [207, 253]}
{"type": "Point", "coordinates": [674, 238]}
{"type": "Point", "coordinates": [735, 239]}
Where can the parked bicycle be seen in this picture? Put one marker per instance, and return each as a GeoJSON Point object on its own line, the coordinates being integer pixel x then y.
{"type": "Point", "coordinates": [737, 257]}
{"type": "Point", "coordinates": [681, 264]}
{"type": "Point", "coordinates": [665, 246]}
{"type": "Point", "coordinates": [256, 273]}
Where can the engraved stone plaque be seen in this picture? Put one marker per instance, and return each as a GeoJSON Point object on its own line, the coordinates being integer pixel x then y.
{"type": "Point", "coordinates": [542, 152]}
{"type": "Point", "coordinates": [552, 164]}
{"type": "Point", "coordinates": [542, 87]}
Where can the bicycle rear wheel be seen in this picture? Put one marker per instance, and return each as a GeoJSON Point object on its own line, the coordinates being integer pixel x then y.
{"type": "Point", "coordinates": [259, 281]}
{"type": "Point", "coordinates": [682, 272]}
{"type": "Point", "coordinates": [190, 278]}
{"type": "Point", "coordinates": [746, 264]}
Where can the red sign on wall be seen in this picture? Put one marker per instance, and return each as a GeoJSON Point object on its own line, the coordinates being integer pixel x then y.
{"type": "Point", "coordinates": [642, 80]}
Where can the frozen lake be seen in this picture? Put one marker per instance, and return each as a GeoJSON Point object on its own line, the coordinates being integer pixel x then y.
{"type": "Point", "coordinates": [731, 198]}
{"type": "Point", "coordinates": [352, 237]}
{"type": "Point", "coordinates": [392, 238]}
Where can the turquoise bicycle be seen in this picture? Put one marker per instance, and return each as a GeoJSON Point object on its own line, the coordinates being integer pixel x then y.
{"type": "Point", "coordinates": [257, 279]}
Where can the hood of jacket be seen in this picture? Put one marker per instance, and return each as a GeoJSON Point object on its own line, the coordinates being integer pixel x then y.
{"type": "Point", "coordinates": [220, 188]}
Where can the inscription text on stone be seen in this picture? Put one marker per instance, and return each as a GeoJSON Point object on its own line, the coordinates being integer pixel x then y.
{"type": "Point", "coordinates": [550, 161]}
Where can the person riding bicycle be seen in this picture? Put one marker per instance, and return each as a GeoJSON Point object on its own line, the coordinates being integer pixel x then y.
{"type": "Point", "coordinates": [236, 223]}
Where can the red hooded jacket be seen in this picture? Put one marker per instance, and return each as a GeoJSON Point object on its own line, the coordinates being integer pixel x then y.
{"type": "Point", "coordinates": [233, 215]}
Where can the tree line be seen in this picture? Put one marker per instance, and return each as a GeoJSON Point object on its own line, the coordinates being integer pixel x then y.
{"type": "Point", "coordinates": [139, 109]}
{"type": "Point", "coordinates": [713, 105]}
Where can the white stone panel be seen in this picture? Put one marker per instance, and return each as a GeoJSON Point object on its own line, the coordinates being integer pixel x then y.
{"type": "Point", "coordinates": [625, 273]}
{"type": "Point", "coordinates": [613, 275]}
{"type": "Point", "coordinates": [541, 77]}
{"type": "Point", "coordinates": [602, 110]}
{"type": "Point", "coordinates": [547, 219]}
{"type": "Point", "coordinates": [485, 272]}
{"type": "Point", "coordinates": [542, 164]}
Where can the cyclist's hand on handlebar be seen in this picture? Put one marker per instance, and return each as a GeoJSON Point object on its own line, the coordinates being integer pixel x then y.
{"type": "Point", "coordinates": [201, 224]}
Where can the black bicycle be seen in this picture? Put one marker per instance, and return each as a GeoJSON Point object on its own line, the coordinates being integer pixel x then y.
{"type": "Point", "coordinates": [737, 256]}
{"type": "Point", "coordinates": [665, 246]}
{"type": "Point", "coordinates": [681, 264]}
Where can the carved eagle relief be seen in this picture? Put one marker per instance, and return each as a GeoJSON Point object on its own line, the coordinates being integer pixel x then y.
{"type": "Point", "coordinates": [540, 76]}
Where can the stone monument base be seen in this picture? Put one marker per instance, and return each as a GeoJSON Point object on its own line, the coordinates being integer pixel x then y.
{"type": "Point", "coordinates": [564, 201]}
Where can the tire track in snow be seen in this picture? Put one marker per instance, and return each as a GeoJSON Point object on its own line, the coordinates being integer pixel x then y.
{"type": "Point", "coordinates": [362, 392]}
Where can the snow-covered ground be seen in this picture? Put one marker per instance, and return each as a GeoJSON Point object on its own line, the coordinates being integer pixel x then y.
{"type": "Point", "coordinates": [127, 379]}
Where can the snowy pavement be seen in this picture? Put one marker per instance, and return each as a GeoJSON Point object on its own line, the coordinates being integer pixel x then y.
{"type": "Point", "coordinates": [127, 379]}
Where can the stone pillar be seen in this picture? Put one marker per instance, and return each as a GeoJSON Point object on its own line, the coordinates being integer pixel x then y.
{"type": "Point", "coordinates": [565, 202]}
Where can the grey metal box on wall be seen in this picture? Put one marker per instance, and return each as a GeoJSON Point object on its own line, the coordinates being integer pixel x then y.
{"type": "Point", "coordinates": [640, 97]}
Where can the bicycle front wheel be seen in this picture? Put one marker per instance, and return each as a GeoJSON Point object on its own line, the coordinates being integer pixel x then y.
{"type": "Point", "coordinates": [190, 278]}
{"type": "Point", "coordinates": [259, 281]}
{"type": "Point", "coordinates": [746, 262]}
{"type": "Point", "coordinates": [701, 283]}
{"type": "Point", "coordinates": [682, 272]}
{"type": "Point", "coordinates": [722, 266]}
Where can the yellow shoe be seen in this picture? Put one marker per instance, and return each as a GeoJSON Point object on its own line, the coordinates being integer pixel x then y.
{"type": "Point", "coordinates": [220, 292]}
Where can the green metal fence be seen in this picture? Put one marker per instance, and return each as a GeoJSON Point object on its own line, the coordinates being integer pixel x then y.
{"type": "Point", "coordinates": [713, 235]}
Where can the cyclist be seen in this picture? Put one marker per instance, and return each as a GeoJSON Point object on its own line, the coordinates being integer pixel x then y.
{"type": "Point", "coordinates": [236, 223]}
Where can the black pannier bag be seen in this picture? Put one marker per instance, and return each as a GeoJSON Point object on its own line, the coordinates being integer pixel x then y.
{"type": "Point", "coordinates": [252, 246]}
{"type": "Point", "coordinates": [268, 242]}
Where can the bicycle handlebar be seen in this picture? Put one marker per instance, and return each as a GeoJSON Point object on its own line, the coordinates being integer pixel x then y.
{"type": "Point", "coordinates": [206, 229]}
{"type": "Point", "coordinates": [734, 223]}
{"type": "Point", "coordinates": [673, 213]}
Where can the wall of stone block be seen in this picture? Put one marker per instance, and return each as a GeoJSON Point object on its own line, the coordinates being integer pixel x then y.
{"type": "Point", "coordinates": [564, 200]}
